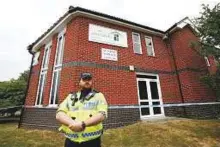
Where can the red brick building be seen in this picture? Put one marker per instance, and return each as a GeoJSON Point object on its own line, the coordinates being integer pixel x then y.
{"type": "Point", "coordinates": [143, 72]}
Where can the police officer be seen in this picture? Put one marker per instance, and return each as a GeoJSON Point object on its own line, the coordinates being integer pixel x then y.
{"type": "Point", "coordinates": [81, 115]}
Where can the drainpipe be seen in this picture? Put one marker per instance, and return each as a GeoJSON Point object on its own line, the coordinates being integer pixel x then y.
{"type": "Point", "coordinates": [176, 71]}
{"type": "Point", "coordinates": [27, 88]}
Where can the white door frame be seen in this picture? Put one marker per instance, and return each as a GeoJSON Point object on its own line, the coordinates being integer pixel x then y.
{"type": "Point", "coordinates": [150, 100]}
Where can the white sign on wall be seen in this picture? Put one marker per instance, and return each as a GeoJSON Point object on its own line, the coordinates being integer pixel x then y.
{"type": "Point", "coordinates": [109, 54]}
{"type": "Point", "coordinates": [108, 36]}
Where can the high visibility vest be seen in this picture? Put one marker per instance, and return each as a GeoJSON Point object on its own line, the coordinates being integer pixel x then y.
{"type": "Point", "coordinates": [79, 110]}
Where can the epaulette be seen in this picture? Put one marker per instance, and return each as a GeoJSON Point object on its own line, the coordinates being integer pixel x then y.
{"type": "Point", "coordinates": [95, 90]}
{"type": "Point", "coordinates": [91, 94]}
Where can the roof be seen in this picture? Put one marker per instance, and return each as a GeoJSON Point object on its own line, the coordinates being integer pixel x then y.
{"type": "Point", "coordinates": [181, 24]}
{"type": "Point", "coordinates": [98, 14]}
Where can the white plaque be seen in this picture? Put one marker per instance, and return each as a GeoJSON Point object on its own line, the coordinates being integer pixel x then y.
{"type": "Point", "coordinates": [108, 36]}
{"type": "Point", "coordinates": [108, 54]}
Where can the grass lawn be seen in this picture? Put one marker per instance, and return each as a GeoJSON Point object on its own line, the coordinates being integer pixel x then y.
{"type": "Point", "coordinates": [171, 133]}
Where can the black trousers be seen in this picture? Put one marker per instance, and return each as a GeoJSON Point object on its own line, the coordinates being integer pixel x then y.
{"type": "Point", "coordinates": [91, 143]}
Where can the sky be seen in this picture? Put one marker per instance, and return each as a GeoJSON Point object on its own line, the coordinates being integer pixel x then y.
{"type": "Point", "coordinates": [23, 21]}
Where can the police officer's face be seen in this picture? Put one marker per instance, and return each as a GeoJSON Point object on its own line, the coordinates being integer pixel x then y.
{"type": "Point", "coordinates": [86, 83]}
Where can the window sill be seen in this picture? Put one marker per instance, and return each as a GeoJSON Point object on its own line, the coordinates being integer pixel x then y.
{"type": "Point", "coordinates": [38, 106]}
{"type": "Point", "coordinates": [151, 56]}
{"type": "Point", "coordinates": [52, 106]}
{"type": "Point", "coordinates": [44, 106]}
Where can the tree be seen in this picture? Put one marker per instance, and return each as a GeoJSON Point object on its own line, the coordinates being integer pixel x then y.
{"type": "Point", "coordinates": [24, 76]}
{"type": "Point", "coordinates": [12, 92]}
{"type": "Point", "coordinates": [208, 29]}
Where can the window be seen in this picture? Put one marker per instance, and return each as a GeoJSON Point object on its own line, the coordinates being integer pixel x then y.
{"type": "Point", "coordinates": [207, 61]}
{"type": "Point", "coordinates": [55, 85]}
{"type": "Point", "coordinates": [136, 43]}
{"type": "Point", "coordinates": [59, 52]}
{"type": "Point", "coordinates": [116, 37]}
{"type": "Point", "coordinates": [57, 69]}
{"type": "Point", "coordinates": [149, 45]}
{"type": "Point", "coordinates": [43, 74]}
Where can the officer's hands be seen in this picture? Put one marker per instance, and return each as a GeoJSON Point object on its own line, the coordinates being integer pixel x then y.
{"type": "Point", "coordinates": [76, 126]}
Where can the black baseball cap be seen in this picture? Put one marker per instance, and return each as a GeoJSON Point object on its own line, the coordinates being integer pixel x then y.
{"type": "Point", "coordinates": [86, 76]}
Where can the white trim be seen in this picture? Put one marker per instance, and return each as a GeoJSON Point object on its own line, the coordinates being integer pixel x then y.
{"type": "Point", "coordinates": [47, 47]}
{"type": "Point", "coordinates": [147, 74]}
{"type": "Point", "coordinates": [182, 23]}
{"type": "Point", "coordinates": [139, 36]}
{"type": "Point", "coordinates": [36, 58]}
{"type": "Point", "coordinates": [124, 34]}
{"type": "Point", "coordinates": [52, 106]}
{"type": "Point", "coordinates": [163, 105]}
{"type": "Point", "coordinates": [43, 73]}
{"type": "Point", "coordinates": [57, 68]}
{"type": "Point", "coordinates": [149, 37]}
{"type": "Point", "coordinates": [62, 23]}
{"type": "Point", "coordinates": [160, 94]}
{"type": "Point", "coordinates": [150, 100]}
{"type": "Point", "coordinates": [207, 61]}
{"type": "Point", "coordinates": [48, 44]}
{"type": "Point", "coordinates": [39, 106]}
{"type": "Point", "coordinates": [56, 29]}
{"type": "Point", "coordinates": [134, 106]}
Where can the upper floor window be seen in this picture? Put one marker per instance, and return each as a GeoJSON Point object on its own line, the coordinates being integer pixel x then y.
{"type": "Point", "coordinates": [43, 75]}
{"type": "Point", "coordinates": [136, 43]}
{"type": "Point", "coordinates": [207, 61]}
{"type": "Point", "coordinates": [54, 91]}
{"type": "Point", "coordinates": [149, 45]}
{"type": "Point", "coordinates": [59, 52]}
{"type": "Point", "coordinates": [46, 56]}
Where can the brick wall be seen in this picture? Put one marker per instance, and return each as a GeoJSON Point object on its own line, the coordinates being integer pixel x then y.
{"type": "Point", "coordinates": [32, 91]}
{"type": "Point", "coordinates": [111, 82]}
{"type": "Point", "coordinates": [114, 79]}
{"type": "Point", "coordinates": [44, 118]}
{"type": "Point", "coordinates": [191, 66]}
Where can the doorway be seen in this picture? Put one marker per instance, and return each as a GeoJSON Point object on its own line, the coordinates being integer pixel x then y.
{"type": "Point", "coordinates": [149, 95]}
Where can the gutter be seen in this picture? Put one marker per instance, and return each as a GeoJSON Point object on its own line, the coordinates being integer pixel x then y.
{"type": "Point", "coordinates": [29, 78]}
{"type": "Point", "coordinates": [175, 66]}
{"type": "Point", "coordinates": [168, 37]}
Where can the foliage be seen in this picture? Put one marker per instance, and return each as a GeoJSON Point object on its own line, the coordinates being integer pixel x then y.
{"type": "Point", "coordinates": [12, 92]}
{"type": "Point", "coordinates": [208, 29]}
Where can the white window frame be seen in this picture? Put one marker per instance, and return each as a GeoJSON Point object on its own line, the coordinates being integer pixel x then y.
{"type": "Point", "coordinates": [149, 94]}
{"type": "Point", "coordinates": [44, 73]}
{"type": "Point", "coordinates": [207, 61]}
{"type": "Point", "coordinates": [57, 67]}
{"type": "Point", "coordinates": [152, 45]}
{"type": "Point", "coordinates": [134, 33]}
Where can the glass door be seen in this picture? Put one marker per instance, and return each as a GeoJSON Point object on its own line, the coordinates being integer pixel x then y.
{"type": "Point", "coordinates": [149, 95]}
